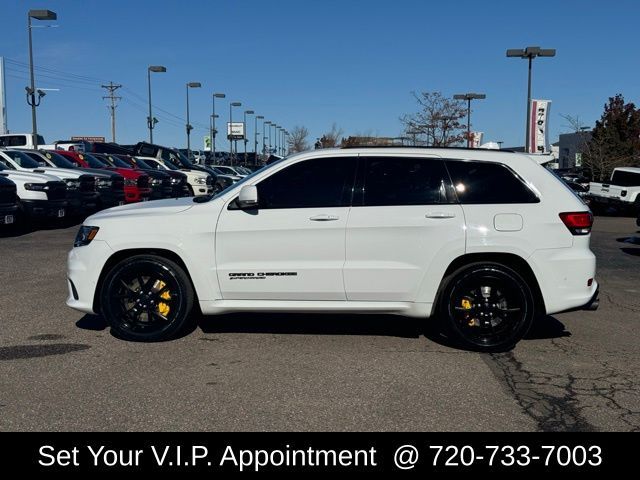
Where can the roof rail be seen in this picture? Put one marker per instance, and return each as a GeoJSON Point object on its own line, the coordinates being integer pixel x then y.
{"type": "Point", "coordinates": [430, 148]}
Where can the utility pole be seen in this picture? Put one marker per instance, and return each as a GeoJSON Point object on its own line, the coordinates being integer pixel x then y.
{"type": "Point", "coordinates": [111, 88]}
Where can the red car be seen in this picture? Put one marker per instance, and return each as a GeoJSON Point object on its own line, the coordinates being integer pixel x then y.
{"type": "Point", "coordinates": [136, 182]}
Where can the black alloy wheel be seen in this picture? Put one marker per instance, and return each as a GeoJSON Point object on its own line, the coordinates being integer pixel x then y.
{"type": "Point", "coordinates": [487, 307]}
{"type": "Point", "coordinates": [147, 298]}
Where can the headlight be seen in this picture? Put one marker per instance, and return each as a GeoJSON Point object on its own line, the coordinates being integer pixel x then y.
{"type": "Point", "coordinates": [175, 180]}
{"type": "Point", "coordinates": [156, 181]}
{"type": "Point", "coordinates": [36, 187]}
{"type": "Point", "coordinates": [85, 235]}
{"type": "Point", "coordinates": [72, 184]}
{"type": "Point", "coordinates": [200, 181]}
{"type": "Point", "coordinates": [130, 182]}
{"type": "Point", "coordinates": [103, 182]}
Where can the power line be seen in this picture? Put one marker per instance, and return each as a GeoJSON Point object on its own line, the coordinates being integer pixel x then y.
{"type": "Point", "coordinates": [111, 88]}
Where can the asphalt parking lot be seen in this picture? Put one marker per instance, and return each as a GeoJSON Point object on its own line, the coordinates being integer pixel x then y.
{"type": "Point", "coordinates": [60, 370]}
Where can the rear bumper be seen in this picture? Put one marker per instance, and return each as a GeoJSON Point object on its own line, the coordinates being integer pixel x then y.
{"type": "Point", "coordinates": [564, 276]}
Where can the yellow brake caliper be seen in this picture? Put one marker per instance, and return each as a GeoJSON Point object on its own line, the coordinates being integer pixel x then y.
{"type": "Point", "coordinates": [163, 308]}
{"type": "Point", "coordinates": [466, 304]}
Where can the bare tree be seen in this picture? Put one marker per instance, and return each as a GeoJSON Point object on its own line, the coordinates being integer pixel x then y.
{"type": "Point", "coordinates": [574, 124]}
{"type": "Point", "coordinates": [601, 160]}
{"type": "Point", "coordinates": [297, 140]}
{"type": "Point", "coordinates": [332, 138]}
{"type": "Point", "coordinates": [438, 122]}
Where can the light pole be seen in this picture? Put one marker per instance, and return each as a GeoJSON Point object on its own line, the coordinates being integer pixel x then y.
{"type": "Point", "coordinates": [275, 138]}
{"type": "Point", "coordinates": [264, 139]}
{"type": "Point", "coordinates": [286, 142]}
{"type": "Point", "coordinates": [270, 124]}
{"type": "Point", "coordinates": [231, 105]}
{"type": "Point", "coordinates": [530, 53]}
{"type": "Point", "coordinates": [282, 140]}
{"type": "Point", "coordinates": [151, 121]}
{"type": "Point", "coordinates": [255, 138]}
{"type": "Point", "coordinates": [31, 91]}
{"type": "Point", "coordinates": [189, 127]}
{"type": "Point", "coordinates": [213, 124]}
{"type": "Point", "coordinates": [468, 97]}
{"type": "Point", "coordinates": [245, 140]}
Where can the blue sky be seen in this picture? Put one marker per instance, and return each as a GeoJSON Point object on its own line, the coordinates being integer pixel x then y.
{"type": "Point", "coordinates": [314, 63]}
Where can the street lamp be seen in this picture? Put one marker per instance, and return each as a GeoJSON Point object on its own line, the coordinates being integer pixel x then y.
{"type": "Point", "coordinates": [151, 121]}
{"type": "Point", "coordinates": [275, 137]}
{"type": "Point", "coordinates": [530, 53]}
{"type": "Point", "coordinates": [264, 138]}
{"type": "Point", "coordinates": [255, 137]}
{"type": "Point", "coordinates": [212, 127]}
{"type": "Point", "coordinates": [31, 91]}
{"type": "Point", "coordinates": [468, 97]}
{"type": "Point", "coordinates": [246, 112]}
{"type": "Point", "coordinates": [189, 127]}
{"type": "Point", "coordinates": [231, 105]}
{"type": "Point", "coordinates": [213, 124]}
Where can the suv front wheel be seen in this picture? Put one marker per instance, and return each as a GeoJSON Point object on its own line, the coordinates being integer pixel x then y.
{"type": "Point", "coordinates": [147, 298]}
{"type": "Point", "coordinates": [487, 306]}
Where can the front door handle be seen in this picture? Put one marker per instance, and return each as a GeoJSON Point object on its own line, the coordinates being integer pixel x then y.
{"type": "Point", "coordinates": [324, 218]}
{"type": "Point", "coordinates": [440, 215]}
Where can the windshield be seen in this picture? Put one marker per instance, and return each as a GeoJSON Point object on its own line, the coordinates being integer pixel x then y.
{"type": "Point", "coordinates": [58, 160]}
{"type": "Point", "coordinates": [3, 166]}
{"type": "Point", "coordinates": [93, 161]}
{"type": "Point", "coordinates": [226, 171]}
{"type": "Point", "coordinates": [117, 161]}
{"type": "Point", "coordinates": [180, 159]}
{"type": "Point", "coordinates": [138, 163]}
{"type": "Point", "coordinates": [23, 160]}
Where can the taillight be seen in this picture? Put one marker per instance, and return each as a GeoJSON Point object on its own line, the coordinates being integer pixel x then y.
{"type": "Point", "coordinates": [578, 223]}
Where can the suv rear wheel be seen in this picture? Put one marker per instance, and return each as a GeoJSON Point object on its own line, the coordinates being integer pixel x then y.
{"type": "Point", "coordinates": [147, 298]}
{"type": "Point", "coordinates": [487, 306]}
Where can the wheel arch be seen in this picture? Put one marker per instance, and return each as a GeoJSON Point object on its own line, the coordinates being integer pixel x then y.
{"type": "Point", "coordinates": [127, 253]}
{"type": "Point", "coordinates": [513, 261]}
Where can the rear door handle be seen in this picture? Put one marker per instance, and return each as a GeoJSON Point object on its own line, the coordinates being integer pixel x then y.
{"type": "Point", "coordinates": [324, 218]}
{"type": "Point", "coordinates": [440, 215]}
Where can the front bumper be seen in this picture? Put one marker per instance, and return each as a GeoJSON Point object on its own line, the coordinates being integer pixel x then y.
{"type": "Point", "coordinates": [84, 265]}
{"type": "Point", "coordinates": [8, 214]}
{"type": "Point", "coordinates": [46, 208]}
{"type": "Point", "coordinates": [136, 194]}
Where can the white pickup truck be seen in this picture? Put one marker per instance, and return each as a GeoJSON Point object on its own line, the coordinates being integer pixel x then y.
{"type": "Point", "coordinates": [622, 192]}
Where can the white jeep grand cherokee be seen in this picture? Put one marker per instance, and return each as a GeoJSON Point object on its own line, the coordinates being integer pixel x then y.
{"type": "Point", "coordinates": [483, 241]}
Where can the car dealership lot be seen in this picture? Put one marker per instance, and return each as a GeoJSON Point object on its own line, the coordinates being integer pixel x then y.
{"type": "Point", "coordinates": [60, 370]}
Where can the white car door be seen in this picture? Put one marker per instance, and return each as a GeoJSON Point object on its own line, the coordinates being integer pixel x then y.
{"type": "Point", "coordinates": [404, 222]}
{"type": "Point", "coordinates": [292, 246]}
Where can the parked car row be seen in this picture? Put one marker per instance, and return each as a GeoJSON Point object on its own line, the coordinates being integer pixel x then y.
{"type": "Point", "coordinates": [58, 184]}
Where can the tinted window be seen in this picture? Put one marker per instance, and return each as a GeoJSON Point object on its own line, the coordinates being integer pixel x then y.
{"type": "Point", "coordinates": [625, 179]}
{"type": "Point", "coordinates": [404, 181]}
{"type": "Point", "coordinates": [484, 182]}
{"type": "Point", "coordinates": [58, 160]}
{"type": "Point", "coordinates": [23, 160]}
{"type": "Point", "coordinates": [321, 182]}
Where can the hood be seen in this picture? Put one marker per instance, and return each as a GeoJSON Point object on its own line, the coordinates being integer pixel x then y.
{"type": "Point", "coordinates": [96, 172]}
{"type": "Point", "coordinates": [155, 207]}
{"type": "Point", "coordinates": [20, 176]}
{"type": "Point", "coordinates": [58, 172]}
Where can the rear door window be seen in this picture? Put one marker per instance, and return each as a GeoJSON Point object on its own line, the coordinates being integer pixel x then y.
{"type": "Point", "coordinates": [404, 181]}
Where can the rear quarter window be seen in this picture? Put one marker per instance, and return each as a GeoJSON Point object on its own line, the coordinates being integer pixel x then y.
{"type": "Point", "coordinates": [488, 183]}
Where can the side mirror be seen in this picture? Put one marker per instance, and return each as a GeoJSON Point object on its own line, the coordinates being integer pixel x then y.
{"type": "Point", "coordinates": [248, 197]}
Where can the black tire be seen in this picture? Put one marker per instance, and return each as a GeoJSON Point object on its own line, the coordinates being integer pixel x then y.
{"type": "Point", "coordinates": [489, 320]}
{"type": "Point", "coordinates": [139, 307]}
